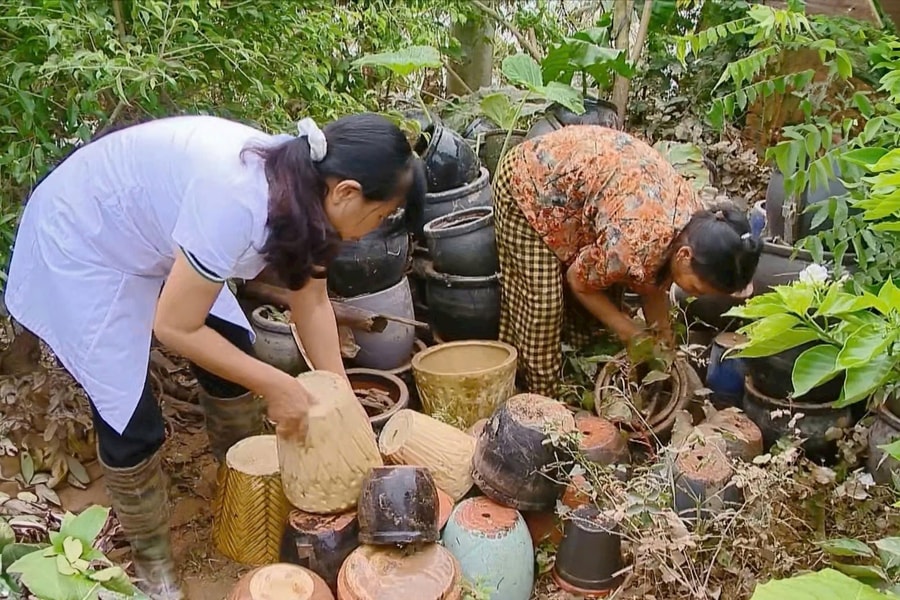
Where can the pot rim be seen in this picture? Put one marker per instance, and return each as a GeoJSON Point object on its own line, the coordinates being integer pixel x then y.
{"type": "Point", "coordinates": [257, 320]}
{"type": "Point", "coordinates": [500, 130]}
{"type": "Point", "coordinates": [404, 279]}
{"type": "Point", "coordinates": [511, 358]}
{"type": "Point", "coordinates": [478, 183]}
{"type": "Point", "coordinates": [402, 389]}
{"type": "Point", "coordinates": [770, 246]}
{"type": "Point", "coordinates": [787, 404]}
{"type": "Point", "coordinates": [443, 227]}
{"type": "Point", "coordinates": [460, 280]}
{"type": "Point", "coordinates": [434, 132]}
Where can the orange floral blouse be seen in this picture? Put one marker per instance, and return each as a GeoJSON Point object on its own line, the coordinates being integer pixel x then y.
{"type": "Point", "coordinates": [603, 201]}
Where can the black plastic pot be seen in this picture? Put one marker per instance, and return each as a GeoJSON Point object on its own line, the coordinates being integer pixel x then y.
{"type": "Point", "coordinates": [885, 430]}
{"type": "Point", "coordinates": [450, 162]}
{"type": "Point", "coordinates": [463, 308]}
{"type": "Point", "coordinates": [775, 205]}
{"type": "Point", "coordinates": [817, 420]}
{"type": "Point", "coordinates": [772, 376]}
{"type": "Point", "coordinates": [590, 554]}
{"type": "Point", "coordinates": [512, 465]}
{"type": "Point", "coordinates": [490, 146]}
{"type": "Point", "coordinates": [320, 543]}
{"type": "Point", "coordinates": [463, 243]}
{"type": "Point", "coordinates": [597, 112]}
{"type": "Point", "coordinates": [476, 193]}
{"type": "Point", "coordinates": [398, 505]}
{"type": "Point", "coordinates": [372, 263]}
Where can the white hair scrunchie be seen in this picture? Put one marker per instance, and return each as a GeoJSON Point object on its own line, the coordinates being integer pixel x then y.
{"type": "Point", "coordinates": [318, 146]}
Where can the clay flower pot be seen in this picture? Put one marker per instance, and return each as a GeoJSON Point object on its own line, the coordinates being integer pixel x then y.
{"type": "Point", "coordinates": [281, 582]}
{"type": "Point", "coordinates": [445, 508]}
{"type": "Point", "coordinates": [743, 439]}
{"type": "Point", "coordinates": [703, 481]}
{"type": "Point", "coordinates": [601, 441]}
{"type": "Point", "coordinates": [463, 243]}
{"type": "Point", "coordinates": [320, 543]}
{"type": "Point", "coordinates": [590, 554]}
{"type": "Point", "coordinates": [274, 344]}
{"type": "Point", "coordinates": [493, 547]}
{"type": "Point", "coordinates": [512, 464]}
{"type": "Point", "coordinates": [429, 572]}
{"type": "Point", "coordinates": [380, 393]}
{"type": "Point", "coordinates": [398, 505]}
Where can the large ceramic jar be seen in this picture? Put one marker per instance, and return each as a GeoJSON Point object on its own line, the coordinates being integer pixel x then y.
{"type": "Point", "coordinates": [393, 347]}
{"type": "Point", "coordinates": [472, 194]}
{"type": "Point", "coordinates": [463, 308]}
{"type": "Point", "coordinates": [463, 243]}
{"type": "Point", "coordinates": [372, 263]}
{"type": "Point", "coordinates": [450, 162]}
{"type": "Point", "coordinates": [274, 343]}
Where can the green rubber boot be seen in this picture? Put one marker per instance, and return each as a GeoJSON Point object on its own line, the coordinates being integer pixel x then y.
{"type": "Point", "coordinates": [230, 420]}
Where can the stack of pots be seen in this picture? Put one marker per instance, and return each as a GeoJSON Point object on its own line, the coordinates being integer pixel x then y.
{"type": "Point", "coordinates": [455, 264]}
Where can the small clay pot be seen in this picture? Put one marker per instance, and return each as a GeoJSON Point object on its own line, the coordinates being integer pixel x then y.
{"type": "Point", "coordinates": [743, 439]}
{"type": "Point", "coordinates": [703, 481]}
{"type": "Point", "coordinates": [463, 243]}
{"type": "Point", "coordinates": [512, 464]}
{"type": "Point", "coordinates": [274, 343]}
{"type": "Point", "coordinates": [445, 508]}
{"type": "Point", "coordinates": [398, 505]}
{"type": "Point", "coordinates": [427, 572]}
{"type": "Point", "coordinates": [390, 386]}
{"type": "Point", "coordinates": [281, 582]}
{"type": "Point", "coordinates": [320, 543]}
{"type": "Point", "coordinates": [725, 375]}
{"type": "Point", "coordinates": [601, 441]}
{"type": "Point", "coordinates": [590, 554]}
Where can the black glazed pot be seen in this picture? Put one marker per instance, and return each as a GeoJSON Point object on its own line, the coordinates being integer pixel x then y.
{"type": "Point", "coordinates": [450, 162]}
{"type": "Point", "coordinates": [772, 377]}
{"type": "Point", "coordinates": [476, 193]}
{"type": "Point", "coordinates": [512, 465]}
{"type": "Point", "coordinates": [478, 126]}
{"type": "Point", "coordinates": [320, 543]}
{"type": "Point", "coordinates": [596, 112]}
{"type": "Point", "coordinates": [589, 555]}
{"type": "Point", "coordinates": [817, 420]}
{"type": "Point", "coordinates": [462, 308]}
{"type": "Point", "coordinates": [398, 505]}
{"type": "Point", "coordinates": [490, 146]}
{"type": "Point", "coordinates": [463, 243]}
{"type": "Point", "coordinates": [775, 196]}
{"type": "Point", "coordinates": [372, 263]}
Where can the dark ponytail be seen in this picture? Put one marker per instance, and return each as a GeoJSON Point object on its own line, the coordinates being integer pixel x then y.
{"type": "Point", "coordinates": [366, 148]}
{"type": "Point", "coordinates": [724, 252]}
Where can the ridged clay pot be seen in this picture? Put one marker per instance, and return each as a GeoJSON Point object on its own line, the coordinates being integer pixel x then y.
{"type": "Point", "coordinates": [590, 555]}
{"type": "Point", "coordinates": [281, 582]}
{"type": "Point", "coordinates": [320, 543]}
{"type": "Point", "coordinates": [493, 547]}
{"type": "Point", "coordinates": [386, 383]}
{"type": "Point", "coordinates": [392, 347]}
{"type": "Point", "coordinates": [274, 343]}
{"type": "Point", "coordinates": [465, 381]}
{"type": "Point", "coordinates": [450, 162]}
{"type": "Point", "coordinates": [512, 464]}
{"type": "Point", "coordinates": [470, 195]}
{"type": "Point", "coordinates": [463, 308]}
{"type": "Point", "coordinates": [463, 243]}
{"type": "Point", "coordinates": [430, 572]}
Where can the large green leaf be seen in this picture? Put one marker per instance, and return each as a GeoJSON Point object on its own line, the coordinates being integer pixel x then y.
{"type": "Point", "coordinates": [826, 584]}
{"type": "Point", "coordinates": [500, 110]}
{"type": "Point", "coordinates": [86, 526]}
{"type": "Point", "coordinates": [797, 298]}
{"type": "Point", "coordinates": [889, 296]}
{"type": "Point", "coordinates": [563, 94]}
{"type": "Point", "coordinates": [846, 547]}
{"type": "Point", "coordinates": [774, 345]}
{"type": "Point", "coordinates": [889, 552]}
{"type": "Point", "coordinates": [862, 346]}
{"type": "Point", "coordinates": [40, 575]}
{"type": "Point", "coordinates": [862, 381]}
{"type": "Point", "coordinates": [523, 70]}
{"type": "Point", "coordinates": [771, 326]}
{"type": "Point", "coordinates": [813, 368]}
{"type": "Point", "coordinates": [403, 62]}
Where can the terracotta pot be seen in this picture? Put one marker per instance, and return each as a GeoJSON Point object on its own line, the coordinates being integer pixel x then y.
{"type": "Point", "coordinates": [743, 439]}
{"type": "Point", "coordinates": [320, 543]}
{"type": "Point", "coordinates": [546, 526]}
{"type": "Point", "coordinates": [590, 554]}
{"type": "Point", "coordinates": [438, 204]}
{"type": "Point", "coordinates": [817, 420]}
{"type": "Point", "coordinates": [411, 438]}
{"type": "Point", "coordinates": [512, 464]}
{"type": "Point", "coordinates": [490, 146]}
{"type": "Point", "coordinates": [703, 482]}
{"type": "Point", "coordinates": [281, 582]}
{"type": "Point", "coordinates": [463, 308]}
{"type": "Point", "coordinates": [885, 430]}
{"type": "Point", "coordinates": [274, 343]}
{"type": "Point", "coordinates": [725, 375]}
{"type": "Point", "coordinates": [429, 572]}
{"type": "Point", "coordinates": [389, 388]}
{"type": "Point", "coordinates": [493, 547]}
{"type": "Point", "coordinates": [392, 347]}
{"type": "Point", "coordinates": [772, 376]}
{"type": "Point", "coordinates": [463, 243]}
{"type": "Point", "coordinates": [372, 263]}
{"type": "Point", "coordinates": [465, 381]}
{"type": "Point", "coordinates": [449, 160]}
{"type": "Point", "coordinates": [324, 473]}
{"type": "Point", "coordinates": [601, 441]}
{"type": "Point", "coordinates": [445, 508]}
{"type": "Point", "coordinates": [398, 505]}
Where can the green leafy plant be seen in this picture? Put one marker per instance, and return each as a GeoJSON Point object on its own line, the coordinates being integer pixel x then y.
{"type": "Point", "coordinates": [589, 54]}
{"type": "Point", "coordinates": [856, 336]}
{"type": "Point", "coordinates": [879, 568]}
{"type": "Point", "coordinates": [826, 584]}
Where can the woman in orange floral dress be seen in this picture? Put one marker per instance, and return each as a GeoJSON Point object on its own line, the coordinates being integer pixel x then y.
{"type": "Point", "coordinates": [586, 209]}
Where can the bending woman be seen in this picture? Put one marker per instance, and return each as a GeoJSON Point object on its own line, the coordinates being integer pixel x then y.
{"type": "Point", "coordinates": [191, 202]}
{"type": "Point", "coordinates": [584, 210]}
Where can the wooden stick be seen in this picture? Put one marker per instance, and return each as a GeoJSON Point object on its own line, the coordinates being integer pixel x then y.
{"type": "Point", "coordinates": [405, 321]}
{"type": "Point", "coordinates": [300, 346]}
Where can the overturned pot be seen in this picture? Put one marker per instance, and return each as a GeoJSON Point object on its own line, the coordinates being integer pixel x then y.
{"type": "Point", "coordinates": [398, 505]}
{"type": "Point", "coordinates": [590, 554]}
{"type": "Point", "coordinates": [463, 243]}
{"type": "Point", "coordinates": [381, 394]}
{"type": "Point", "coordinates": [372, 263]}
{"type": "Point", "coordinates": [469, 195]}
{"type": "Point", "coordinates": [450, 162]}
{"type": "Point", "coordinates": [596, 112]}
{"type": "Point", "coordinates": [275, 343]}
{"type": "Point", "coordinates": [320, 543]}
{"type": "Point", "coordinates": [463, 308]}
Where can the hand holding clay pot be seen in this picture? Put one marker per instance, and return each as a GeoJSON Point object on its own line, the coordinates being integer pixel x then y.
{"type": "Point", "coordinates": [288, 405]}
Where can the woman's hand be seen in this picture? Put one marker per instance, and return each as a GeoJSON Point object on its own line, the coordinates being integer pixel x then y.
{"type": "Point", "coordinates": [288, 406]}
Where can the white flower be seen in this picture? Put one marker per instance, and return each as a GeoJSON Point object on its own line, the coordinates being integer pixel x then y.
{"type": "Point", "coordinates": [814, 274]}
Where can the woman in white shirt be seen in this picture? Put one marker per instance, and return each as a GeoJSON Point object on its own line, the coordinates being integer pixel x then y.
{"type": "Point", "coordinates": [190, 202]}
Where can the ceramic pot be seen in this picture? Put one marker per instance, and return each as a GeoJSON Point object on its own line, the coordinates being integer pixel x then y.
{"type": "Point", "coordinates": [817, 420]}
{"type": "Point", "coordinates": [324, 473]}
{"type": "Point", "coordinates": [758, 220]}
{"type": "Point", "coordinates": [274, 343]}
{"type": "Point", "coordinates": [411, 438]}
{"type": "Point", "coordinates": [450, 162]}
{"type": "Point", "coordinates": [465, 381]}
{"type": "Point", "coordinates": [725, 375]}
{"type": "Point", "coordinates": [463, 243]}
{"type": "Point", "coordinates": [596, 112]}
{"type": "Point", "coordinates": [772, 376]}
{"type": "Point", "coordinates": [885, 430]}
{"type": "Point", "coordinates": [372, 263]}
{"type": "Point", "coordinates": [743, 439]}
{"type": "Point", "coordinates": [490, 146]}
{"type": "Point", "coordinates": [601, 441]}
{"type": "Point", "coordinates": [493, 547]}
{"type": "Point", "coordinates": [703, 481]}
{"type": "Point", "coordinates": [470, 195]}
{"type": "Point", "coordinates": [281, 582]}
{"type": "Point", "coordinates": [478, 126]}
{"type": "Point", "coordinates": [398, 505]}
{"type": "Point", "coordinates": [463, 308]}
{"type": "Point", "coordinates": [392, 347]}
{"type": "Point", "coordinates": [380, 393]}
{"type": "Point", "coordinates": [513, 465]}
{"type": "Point", "coordinates": [445, 508]}
{"type": "Point", "coordinates": [429, 572]}
{"type": "Point", "coordinates": [590, 554]}
{"type": "Point", "coordinates": [775, 195]}
{"type": "Point", "coordinates": [699, 344]}
{"type": "Point", "coordinates": [320, 543]}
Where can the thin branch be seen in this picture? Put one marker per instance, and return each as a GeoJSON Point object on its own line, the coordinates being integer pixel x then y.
{"type": "Point", "coordinates": [527, 44]}
{"type": "Point", "coordinates": [120, 19]}
{"type": "Point", "coordinates": [456, 76]}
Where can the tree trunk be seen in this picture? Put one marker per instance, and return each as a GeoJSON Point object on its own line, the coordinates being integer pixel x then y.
{"type": "Point", "coordinates": [474, 69]}
{"type": "Point", "coordinates": [622, 11]}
